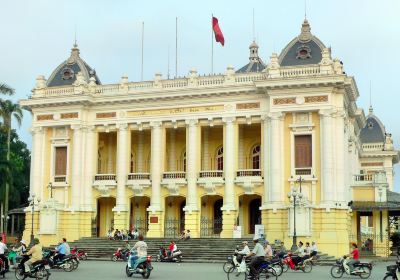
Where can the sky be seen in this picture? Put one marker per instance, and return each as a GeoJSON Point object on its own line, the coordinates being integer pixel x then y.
{"type": "Point", "coordinates": [38, 35]}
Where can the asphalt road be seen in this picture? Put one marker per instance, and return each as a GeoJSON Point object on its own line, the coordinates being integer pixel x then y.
{"type": "Point", "coordinates": [99, 270]}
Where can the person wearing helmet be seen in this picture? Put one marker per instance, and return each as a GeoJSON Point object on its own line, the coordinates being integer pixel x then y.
{"type": "Point", "coordinates": [257, 257]}
{"type": "Point", "coordinates": [36, 254]}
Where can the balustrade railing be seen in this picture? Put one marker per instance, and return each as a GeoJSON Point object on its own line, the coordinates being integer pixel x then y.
{"type": "Point", "coordinates": [60, 179]}
{"type": "Point", "coordinates": [174, 175]}
{"type": "Point", "coordinates": [299, 71]}
{"type": "Point", "coordinates": [364, 177]}
{"type": "Point", "coordinates": [303, 171]}
{"type": "Point", "coordinates": [139, 176]}
{"type": "Point", "coordinates": [105, 177]}
{"type": "Point", "coordinates": [211, 174]}
{"type": "Point", "coordinates": [248, 172]}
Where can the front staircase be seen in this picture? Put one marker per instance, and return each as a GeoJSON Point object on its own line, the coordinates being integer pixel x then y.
{"type": "Point", "coordinates": [207, 250]}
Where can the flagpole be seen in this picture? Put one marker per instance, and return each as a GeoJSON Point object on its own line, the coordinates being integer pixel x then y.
{"type": "Point", "coordinates": [141, 76]}
{"type": "Point", "coordinates": [212, 46]}
{"type": "Point", "coordinates": [176, 47]}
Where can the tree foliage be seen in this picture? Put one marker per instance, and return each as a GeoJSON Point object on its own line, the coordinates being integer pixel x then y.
{"type": "Point", "coordinates": [19, 166]}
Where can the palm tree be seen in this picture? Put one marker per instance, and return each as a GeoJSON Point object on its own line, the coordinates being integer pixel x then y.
{"type": "Point", "coordinates": [6, 90]}
{"type": "Point", "coordinates": [8, 110]}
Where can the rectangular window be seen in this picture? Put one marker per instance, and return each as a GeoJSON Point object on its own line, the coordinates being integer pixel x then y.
{"type": "Point", "coordinates": [60, 161]}
{"type": "Point", "coordinates": [303, 154]}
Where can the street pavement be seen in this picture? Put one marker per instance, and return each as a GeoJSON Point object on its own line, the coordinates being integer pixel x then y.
{"type": "Point", "coordinates": [99, 270]}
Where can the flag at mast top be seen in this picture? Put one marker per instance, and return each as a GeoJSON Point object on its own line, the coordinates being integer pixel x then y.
{"type": "Point", "coordinates": [219, 37]}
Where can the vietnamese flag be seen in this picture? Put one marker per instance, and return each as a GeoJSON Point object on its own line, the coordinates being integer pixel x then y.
{"type": "Point", "coordinates": [219, 37]}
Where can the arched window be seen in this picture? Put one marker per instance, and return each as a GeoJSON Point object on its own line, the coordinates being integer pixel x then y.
{"type": "Point", "coordinates": [220, 158]}
{"type": "Point", "coordinates": [183, 161]}
{"type": "Point", "coordinates": [255, 157]}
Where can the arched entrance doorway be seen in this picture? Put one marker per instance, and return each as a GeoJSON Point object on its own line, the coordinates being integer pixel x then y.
{"type": "Point", "coordinates": [138, 218]}
{"type": "Point", "coordinates": [249, 213]}
{"type": "Point", "coordinates": [174, 221]}
{"type": "Point", "coordinates": [211, 216]}
{"type": "Point", "coordinates": [105, 215]}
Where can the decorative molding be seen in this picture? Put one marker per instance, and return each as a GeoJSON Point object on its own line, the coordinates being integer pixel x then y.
{"type": "Point", "coordinates": [364, 164]}
{"type": "Point", "coordinates": [48, 117]}
{"type": "Point", "coordinates": [284, 101]}
{"type": "Point", "coordinates": [316, 99]}
{"type": "Point", "coordinates": [174, 111]}
{"type": "Point", "coordinates": [246, 106]}
{"type": "Point", "coordinates": [69, 115]}
{"type": "Point", "coordinates": [106, 115]}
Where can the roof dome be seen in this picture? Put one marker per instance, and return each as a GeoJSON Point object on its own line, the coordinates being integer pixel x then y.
{"type": "Point", "coordinates": [374, 131]}
{"type": "Point", "coordinates": [302, 50]}
{"type": "Point", "coordinates": [65, 73]}
{"type": "Point", "coordinates": [255, 64]}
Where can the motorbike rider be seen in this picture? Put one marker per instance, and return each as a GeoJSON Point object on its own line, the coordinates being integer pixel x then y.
{"type": "Point", "coordinates": [355, 257]}
{"type": "Point", "coordinates": [257, 257]}
{"type": "Point", "coordinates": [61, 251]}
{"type": "Point", "coordinates": [245, 251]}
{"type": "Point", "coordinates": [19, 250]}
{"type": "Point", "coordinates": [299, 254]}
{"type": "Point", "coordinates": [3, 248]}
{"type": "Point", "coordinates": [36, 254]}
{"type": "Point", "coordinates": [282, 251]}
{"type": "Point", "coordinates": [141, 248]}
{"type": "Point", "coordinates": [314, 249]}
{"type": "Point", "coordinates": [268, 250]}
{"type": "Point", "coordinates": [127, 247]}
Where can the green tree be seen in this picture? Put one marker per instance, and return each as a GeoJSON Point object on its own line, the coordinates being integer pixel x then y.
{"type": "Point", "coordinates": [6, 90]}
{"type": "Point", "coordinates": [8, 111]}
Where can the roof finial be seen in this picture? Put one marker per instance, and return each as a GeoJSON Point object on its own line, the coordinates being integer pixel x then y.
{"type": "Point", "coordinates": [75, 43]}
{"type": "Point", "coordinates": [305, 9]}
{"type": "Point", "coordinates": [371, 109]}
{"type": "Point", "coordinates": [254, 33]}
{"type": "Point", "coordinates": [305, 34]}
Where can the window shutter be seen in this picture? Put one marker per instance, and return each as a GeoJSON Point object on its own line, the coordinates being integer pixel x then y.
{"type": "Point", "coordinates": [303, 151]}
{"type": "Point", "coordinates": [61, 161]}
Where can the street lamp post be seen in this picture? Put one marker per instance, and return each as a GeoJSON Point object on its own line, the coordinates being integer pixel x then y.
{"type": "Point", "coordinates": [31, 200]}
{"type": "Point", "coordinates": [296, 196]}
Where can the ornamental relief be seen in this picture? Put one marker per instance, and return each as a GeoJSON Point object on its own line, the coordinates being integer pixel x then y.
{"type": "Point", "coordinates": [300, 100]}
{"type": "Point", "coordinates": [284, 101]}
{"type": "Point", "coordinates": [106, 115]}
{"type": "Point", "coordinates": [372, 164]}
{"type": "Point", "coordinates": [48, 117]}
{"type": "Point", "coordinates": [316, 99]}
{"type": "Point", "coordinates": [244, 106]}
{"type": "Point", "coordinates": [69, 115]}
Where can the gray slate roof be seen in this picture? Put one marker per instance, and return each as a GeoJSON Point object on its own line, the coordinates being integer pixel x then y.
{"type": "Point", "coordinates": [76, 64]}
{"type": "Point", "coordinates": [374, 130]}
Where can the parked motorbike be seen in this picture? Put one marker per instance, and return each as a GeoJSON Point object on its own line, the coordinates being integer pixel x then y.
{"type": "Point", "coordinates": [68, 263]}
{"type": "Point", "coordinates": [120, 254]}
{"type": "Point", "coordinates": [304, 265]}
{"type": "Point", "coordinates": [341, 267]}
{"type": "Point", "coordinates": [137, 265]}
{"type": "Point", "coordinates": [81, 255]}
{"type": "Point", "coordinates": [393, 271]}
{"type": "Point", "coordinates": [164, 257]}
{"type": "Point", "coordinates": [39, 270]}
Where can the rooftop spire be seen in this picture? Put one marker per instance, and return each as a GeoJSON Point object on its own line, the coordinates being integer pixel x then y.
{"type": "Point", "coordinates": [74, 54]}
{"type": "Point", "coordinates": [305, 34]}
{"type": "Point", "coordinates": [254, 52]}
{"type": "Point", "coordinates": [371, 109]}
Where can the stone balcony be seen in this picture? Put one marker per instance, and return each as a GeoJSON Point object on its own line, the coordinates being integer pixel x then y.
{"type": "Point", "coordinates": [104, 183]}
{"type": "Point", "coordinates": [173, 181]}
{"type": "Point", "coordinates": [248, 179]}
{"type": "Point", "coordinates": [138, 181]}
{"type": "Point", "coordinates": [60, 181]}
{"type": "Point", "coordinates": [210, 179]}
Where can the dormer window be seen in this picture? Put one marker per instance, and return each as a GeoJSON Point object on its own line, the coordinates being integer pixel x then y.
{"type": "Point", "coordinates": [67, 73]}
{"type": "Point", "coordinates": [303, 52]}
{"type": "Point", "coordinates": [370, 125]}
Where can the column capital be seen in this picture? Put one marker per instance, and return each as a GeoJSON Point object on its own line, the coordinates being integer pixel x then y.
{"type": "Point", "coordinates": [191, 122]}
{"type": "Point", "coordinates": [156, 124]}
{"type": "Point", "coordinates": [229, 120]}
{"type": "Point", "coordinates": [122, 126]}
{"type": "Point", "coordinates": [276, 115]}
{"type": "Point", "coordinates": [325, 113]}
{"type": "Point", "coordinates": [265, 117]}
{"type": "Point", "coordinates": [76, 127]}
{"type": "Point", "coordinates": [36, 130]}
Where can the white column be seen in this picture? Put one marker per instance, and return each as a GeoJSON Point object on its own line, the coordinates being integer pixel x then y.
{"type": "Point", "coordinates": [37, 154]}
{"type": "Point", "coordinates": [276, 185]}
{"type": "Point", "coordinates": [172, 151]}
{"type": "Point", "coordinates": [265, 157]}
{"type": "Point", "coordinates": [140, 156]}
{"type": "Point", "coordinates": [122, 165]}
{"type": "Point", "coordinates": [90, 164]}
{"type": "Point", "coordinates": [229, 164]}
{"type": "Point", "coordinates": [327, 166]}
{"type": "Point", "coordinates": [192, 157]}
{"type": "Point", "coordinates": [340, 150]}
{"type": "Point", "coordinates": [76, 161]}
{"type": "Point", "coordinates": [157, 160]}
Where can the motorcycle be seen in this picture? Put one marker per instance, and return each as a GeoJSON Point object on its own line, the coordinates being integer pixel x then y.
{"type": "Point", "coordinates": [68, 263]}
{"type": "Point", "coordinates": [163, 256]}
{"type": "Point", "coordinates": [393, 271]}
{"type": "Point", "coordinates": [137, 265]}
{"type": "Point", "coordinates": [39, 270]}
{"type": "Point", "coordinates": [81, 255]}
{"type": "Point", "coordinates": [362, 270]}
{"type": "Point", "coordinates": [231, 261]}
{"type": "Point", "coordinates": [304, 265]}
{"type": "Point", "coordinates": [120, 255]}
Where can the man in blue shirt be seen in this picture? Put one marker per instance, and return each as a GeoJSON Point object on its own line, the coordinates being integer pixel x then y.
{"type": "Point", "coordinates": [61, 251]}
